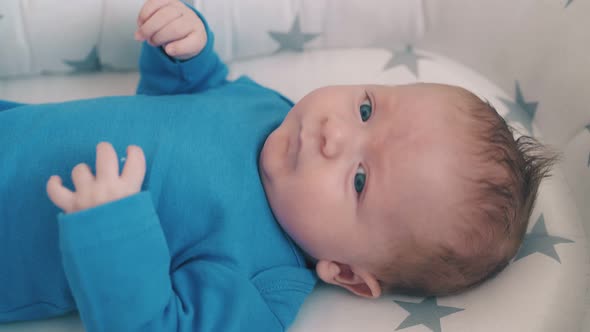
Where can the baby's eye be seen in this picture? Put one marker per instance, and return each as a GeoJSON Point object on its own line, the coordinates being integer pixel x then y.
{"type": "Point", "coordinates": [359, 179]}
{"type": "Point", "coordinates": [366, 109]}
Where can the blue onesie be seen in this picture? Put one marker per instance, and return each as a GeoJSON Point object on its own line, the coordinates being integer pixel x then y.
{"type": "Point", "coordinates": [198, 249]}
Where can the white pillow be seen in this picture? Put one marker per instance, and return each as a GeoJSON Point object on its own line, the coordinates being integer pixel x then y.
{"type": "Point", "coordinates": [48, 36]}
{"type": "Point", "coordinates": [39, 35]}
{"type": "Point", "coordinates": [541, 292]}
{"type": "Point", "coordinates": [244, 28]}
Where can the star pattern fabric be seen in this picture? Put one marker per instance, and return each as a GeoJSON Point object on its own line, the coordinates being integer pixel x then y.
{"type": "Point", "coordinates": [427, 313]}
{"type": "Point", "coordinates": [294, 40]}
{"type": "Point", "coordinates": [521, 111]}
{"type": "Point", "coordinates": [88, 64]}
{"type": "Point", "coordinates": [406, 57]}
{"type": "Point", "coordinates": [538, 240]}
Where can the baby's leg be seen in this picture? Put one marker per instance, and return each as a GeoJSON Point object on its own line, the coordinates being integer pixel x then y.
{"type": "Point", "coordinates": [5, 105]}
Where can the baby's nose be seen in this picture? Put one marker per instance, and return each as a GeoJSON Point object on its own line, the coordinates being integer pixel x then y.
{"type": "Point", "coordinates": [333, 137]}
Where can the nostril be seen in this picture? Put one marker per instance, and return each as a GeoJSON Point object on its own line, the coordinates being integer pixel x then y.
{"type": "Point", "coordinates": [323, 137]}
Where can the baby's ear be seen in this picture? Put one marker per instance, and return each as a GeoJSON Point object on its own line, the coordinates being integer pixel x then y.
{"type": "Point", "coordinates": [359, 281]}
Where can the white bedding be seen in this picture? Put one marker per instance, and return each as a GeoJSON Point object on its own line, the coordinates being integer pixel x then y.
{"type": "Point", "coordinates": [536, 293]}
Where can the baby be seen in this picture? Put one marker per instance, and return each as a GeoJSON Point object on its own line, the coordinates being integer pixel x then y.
{"type": "Point", "coordinates": [234, 201]}
{"type": "Point", "coordinates": [418, 189]}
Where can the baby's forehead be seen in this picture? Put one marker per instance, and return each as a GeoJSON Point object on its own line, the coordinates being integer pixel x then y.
{"type": "Point", "coordinates": [423, 104]}
{"type": "Point", "coordinates": [423, 180]}
{"type": "Point", "coordinates": [426, 98]}
{"type": "Point", "coordinates": [422, 120]}
{"type": "Point", "coordinates": [422, 203]}
{"type": "Point", "coordinates": [426, 148]}
{"type": "Point", "coordinates": [429, 89]}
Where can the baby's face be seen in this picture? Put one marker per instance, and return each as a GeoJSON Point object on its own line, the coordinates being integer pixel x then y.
{"type": "Point", "coordinates": [353, 166]}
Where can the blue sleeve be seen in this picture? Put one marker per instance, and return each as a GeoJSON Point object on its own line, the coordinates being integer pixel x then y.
{"type": "Point", "coordinates": [117, 263]}
{"type": "Point", "coordinates": [161, 74]}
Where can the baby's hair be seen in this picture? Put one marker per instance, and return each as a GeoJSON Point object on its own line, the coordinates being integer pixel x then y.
{"type": "Point", "coordinates": [493, 221]}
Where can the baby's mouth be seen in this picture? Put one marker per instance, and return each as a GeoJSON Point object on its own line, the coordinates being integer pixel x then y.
{"type": "Point", "coordinates": [295, 146]}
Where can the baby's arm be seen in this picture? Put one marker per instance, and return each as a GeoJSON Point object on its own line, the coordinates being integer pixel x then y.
{"type": "Point", "coordinates": [178, 55]}
{"type": "Point", "coordinates": [119, 268]}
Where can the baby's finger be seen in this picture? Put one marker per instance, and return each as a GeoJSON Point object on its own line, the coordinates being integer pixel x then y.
{"type": "Point", "coordinates": [173, 31]}
{"type": "Point", "coordinates": [160, 20]}
{"type": "Point", "coordinates": [134, 169]}
{"type": "Point", "coordinates": [184, 49]}
{"type": "Point", "coordinates": [61, 196]}
{"type": "Point", "coordinates": [82, 176]}
{"type": "Point", "coordinates": [107, 164]}
{"type": "Point", "coordinates": [149, 8]}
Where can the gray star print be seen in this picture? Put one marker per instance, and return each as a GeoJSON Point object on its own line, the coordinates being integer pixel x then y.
{"type": "Point", "coordinates": [406, 57]}
{"type": "Point", "coordinates": [427, 313]}
{"type": "Point", "coordinates": [88, 64]}
{"type": "Point", "coordinates": [568, 3]}
{"type": "Point", "coordinates": [293, 40]}
{"type": "Point", "coordinates": [521, 111]}
{"type": "Point", "coordinates": [538, 240]}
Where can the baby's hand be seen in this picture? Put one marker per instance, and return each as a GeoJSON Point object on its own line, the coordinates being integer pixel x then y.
{"type": "Point", "coordinates": [172, 24]}
{"type": "Point", "coordinates": [107, 186]}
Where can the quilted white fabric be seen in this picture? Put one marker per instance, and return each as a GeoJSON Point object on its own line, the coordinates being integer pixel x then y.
{"type": "Point", "coordinates": [38, 35]}
{"type": "Point", "coordinates": [44, 36]}
{"type": "Point", "coordinates": [523, 298]}
{"type": "Point", "coordinates": [576, 164]}
{"type": "Point", "coordinates": [534, 52]}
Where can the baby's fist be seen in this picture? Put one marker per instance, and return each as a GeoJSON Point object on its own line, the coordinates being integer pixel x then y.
{"type": "Point", "coordinates": [173, 25]}
{"type": "Point", "coordinates": [107, 186]}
